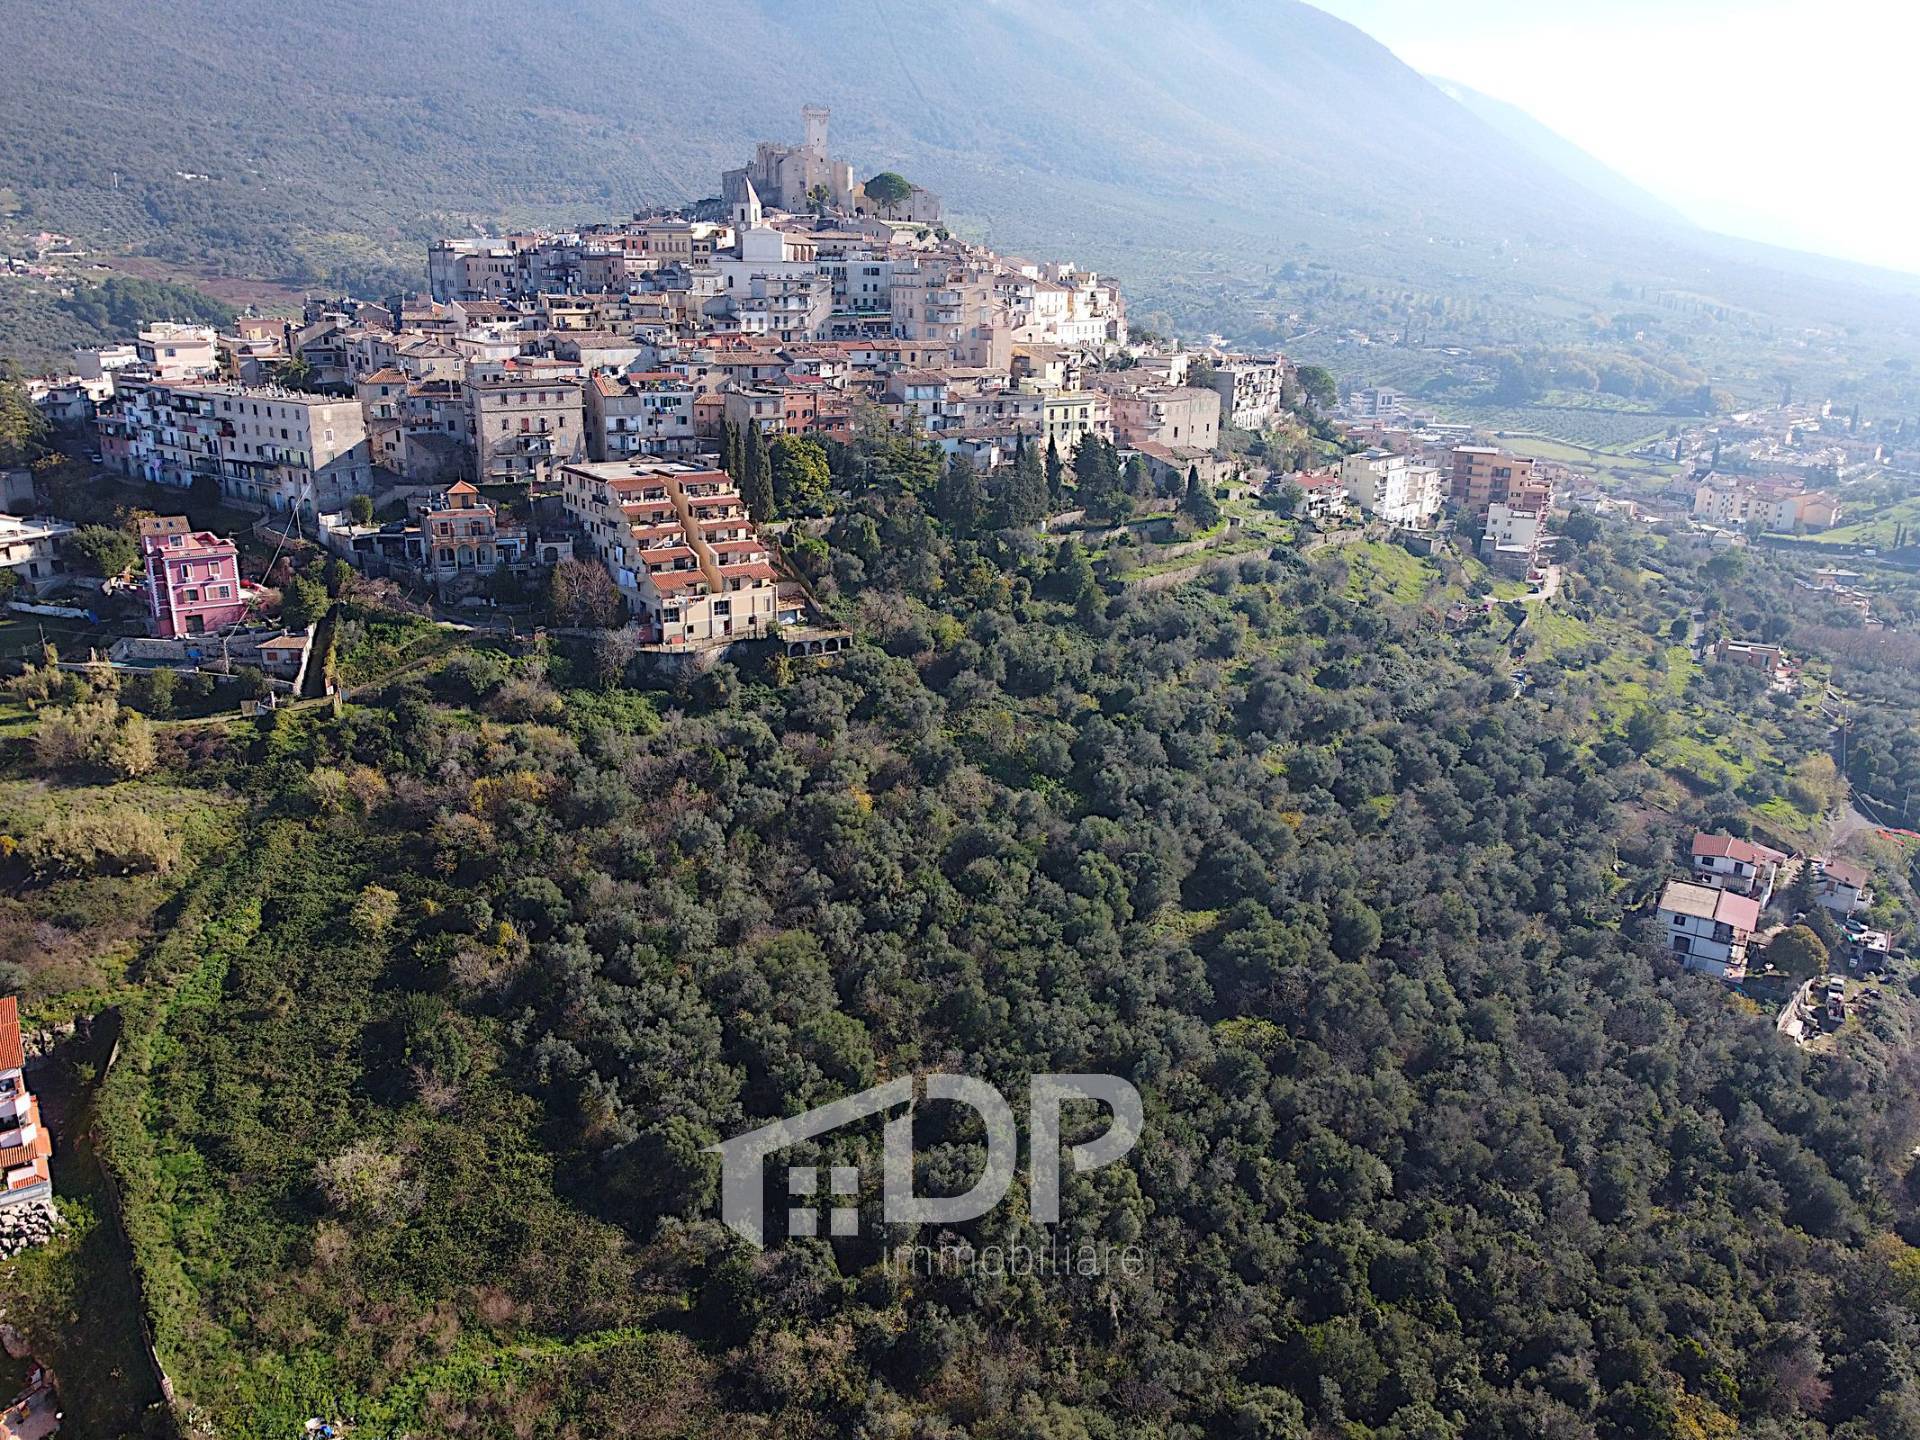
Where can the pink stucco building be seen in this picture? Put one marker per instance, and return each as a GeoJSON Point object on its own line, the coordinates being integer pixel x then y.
{"type": "Point", "coordinates": [193, 578]}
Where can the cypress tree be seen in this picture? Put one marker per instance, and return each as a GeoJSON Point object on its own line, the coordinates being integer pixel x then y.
{"type": "Point", "coordinates": [1026, 497]}
{"type": "Point", "coordinates": [756, 479]}
{"type": "Point", "coordinates": [1056, 476]}
{"type": "Point", "coordinates": [960, 500]}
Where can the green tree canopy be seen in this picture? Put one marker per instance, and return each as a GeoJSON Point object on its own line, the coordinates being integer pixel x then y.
{"type": "Point", "coordinates": [888, 189]}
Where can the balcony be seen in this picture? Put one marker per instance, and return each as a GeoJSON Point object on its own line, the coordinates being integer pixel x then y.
{"type": "Point", "coordinates": [19, 1136]}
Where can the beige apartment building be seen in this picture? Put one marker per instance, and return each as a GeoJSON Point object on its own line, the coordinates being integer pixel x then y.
{"type": "Point", "coordinates": [679, 544]}
{"type": "Point", "coordinates": [1482, 476]}
{"type": "Point", "coordinates": [1180, 417]}
{"type": "Point", "coordinates": [1069, 414]}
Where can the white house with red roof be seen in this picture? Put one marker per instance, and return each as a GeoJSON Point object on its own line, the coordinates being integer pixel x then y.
{"type": "Point", "coordinates": [1708, 928]}
{"type": "Point", "coordinates": [1841, 885]}
{"type": "Point", "coordinates": [1727, 862]}
{"type": "Point", "coordinates": [26, 1150]}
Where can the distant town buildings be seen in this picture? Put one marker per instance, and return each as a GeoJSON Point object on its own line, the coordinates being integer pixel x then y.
{"type": "Point", "coordinates": [1774, 506]}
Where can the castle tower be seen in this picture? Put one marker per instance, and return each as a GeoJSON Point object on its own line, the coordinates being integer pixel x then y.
{"type": "Point", "coordinates": [814, 117]}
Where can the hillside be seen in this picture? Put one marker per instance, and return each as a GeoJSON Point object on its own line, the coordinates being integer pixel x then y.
{"type": "Point", "coordinates": [430, 1006]}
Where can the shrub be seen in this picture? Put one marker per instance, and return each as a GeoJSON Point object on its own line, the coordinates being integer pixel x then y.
{"type": "Point", "coordinates": [116, 841]}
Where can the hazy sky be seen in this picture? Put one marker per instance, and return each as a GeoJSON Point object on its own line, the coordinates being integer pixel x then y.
{"type": "Point", "coordinates": [1792, 123]}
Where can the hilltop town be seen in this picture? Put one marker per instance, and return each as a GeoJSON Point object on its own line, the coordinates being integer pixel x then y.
{"type": "Point", "coordinates": [465, 753]}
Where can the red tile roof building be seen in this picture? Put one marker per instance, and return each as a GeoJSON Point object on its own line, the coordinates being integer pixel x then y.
{"type": "Point", "coordinates": [26, 1150]}
{"type": "Point", "coordinates": [678, 541]}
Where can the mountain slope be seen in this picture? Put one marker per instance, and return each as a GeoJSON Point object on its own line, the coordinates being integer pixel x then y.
{"type": "Point", "coordinates": [391, 114]}
{"type": "Point", "coordinates": [1198, 153]}
{"type": "Point", "coordinates": [1555, 150]}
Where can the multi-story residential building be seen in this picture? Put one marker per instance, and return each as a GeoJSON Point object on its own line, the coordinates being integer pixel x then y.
{"type": "Point", "coordinates": [1066, 415]}
{"type": "Point", "coordinates": [785, 307]}
{"type": "Point", "coordinates": [97, 362]}
{"type": "Point", "coordinates": [529, 418]}
{"type": "Point", "coordinates": [178, 352]}
{"type": "Point", "coordinates": [1773, 506]}
{"type": "Point", "coordinates": [641, 413]}
{"type": "Point", "coordinates": [1482, 476]}
{"type": "Point", "coordinates": [1399, 489]}
{"type": "Point", "coordinates": [765, 408]}
{"type": "Point", "coordinates": [680, 545]}
{"type": "Point", "coordinates": [1004, 411]}
{"type": "Point", "coordinates": [268, 447]}
{"type": "Point", "coordinates": [192, 578]}
{"type": "Point", "coordinates": [1180, 417]}
{"type": "Point", "coordinates": [1514, 537]}
{"type": "Point", "coordinates": [466, 539]}
{"type": "Point", "coordinates": [1727, 862]}
{"type": "Point", "coordinates": [1708, 928]}
{"type": "Point", "coordinates": [1252, 390]}
{"type": "Point", "coordinates": [383, 403]}
{"type": "Point", "coordinates": [30, 548]}
{"type": "Point", "coordinates": [26, 1149]}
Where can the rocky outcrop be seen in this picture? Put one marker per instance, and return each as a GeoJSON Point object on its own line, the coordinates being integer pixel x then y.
{"type": "Point", "coordinates": [26, 1225]}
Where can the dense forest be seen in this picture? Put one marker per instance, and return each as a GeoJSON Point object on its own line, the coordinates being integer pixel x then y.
{"type": "Point", "coordinates": [458, 982]}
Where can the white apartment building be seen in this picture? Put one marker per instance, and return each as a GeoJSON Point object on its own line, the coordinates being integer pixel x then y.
{"type": "Point", "coordinates": [1513, 536]}
{"type": "Point", "coordinates": [29, 547]}
{"type": "Point", "coordinates": [270, 448]}
{"type": "Point", "coordinates": [1396, 488]}
{"type": "Point", "coordinates": [1251, 390]}
{"type": "Point", "coordinates": [679, 544]}
{"type": "Point", "coordinates": [644, 413]}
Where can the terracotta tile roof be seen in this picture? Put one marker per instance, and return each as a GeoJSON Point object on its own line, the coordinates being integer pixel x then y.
{"type": "Point", "coordinates": [12, 1054]}
{"type": "Point", "coordinates": [678, 580]}
{"type": "Point", "coordinates": [1844, 872]}
{"type": "Point", "coordinates": [1731, 847]}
